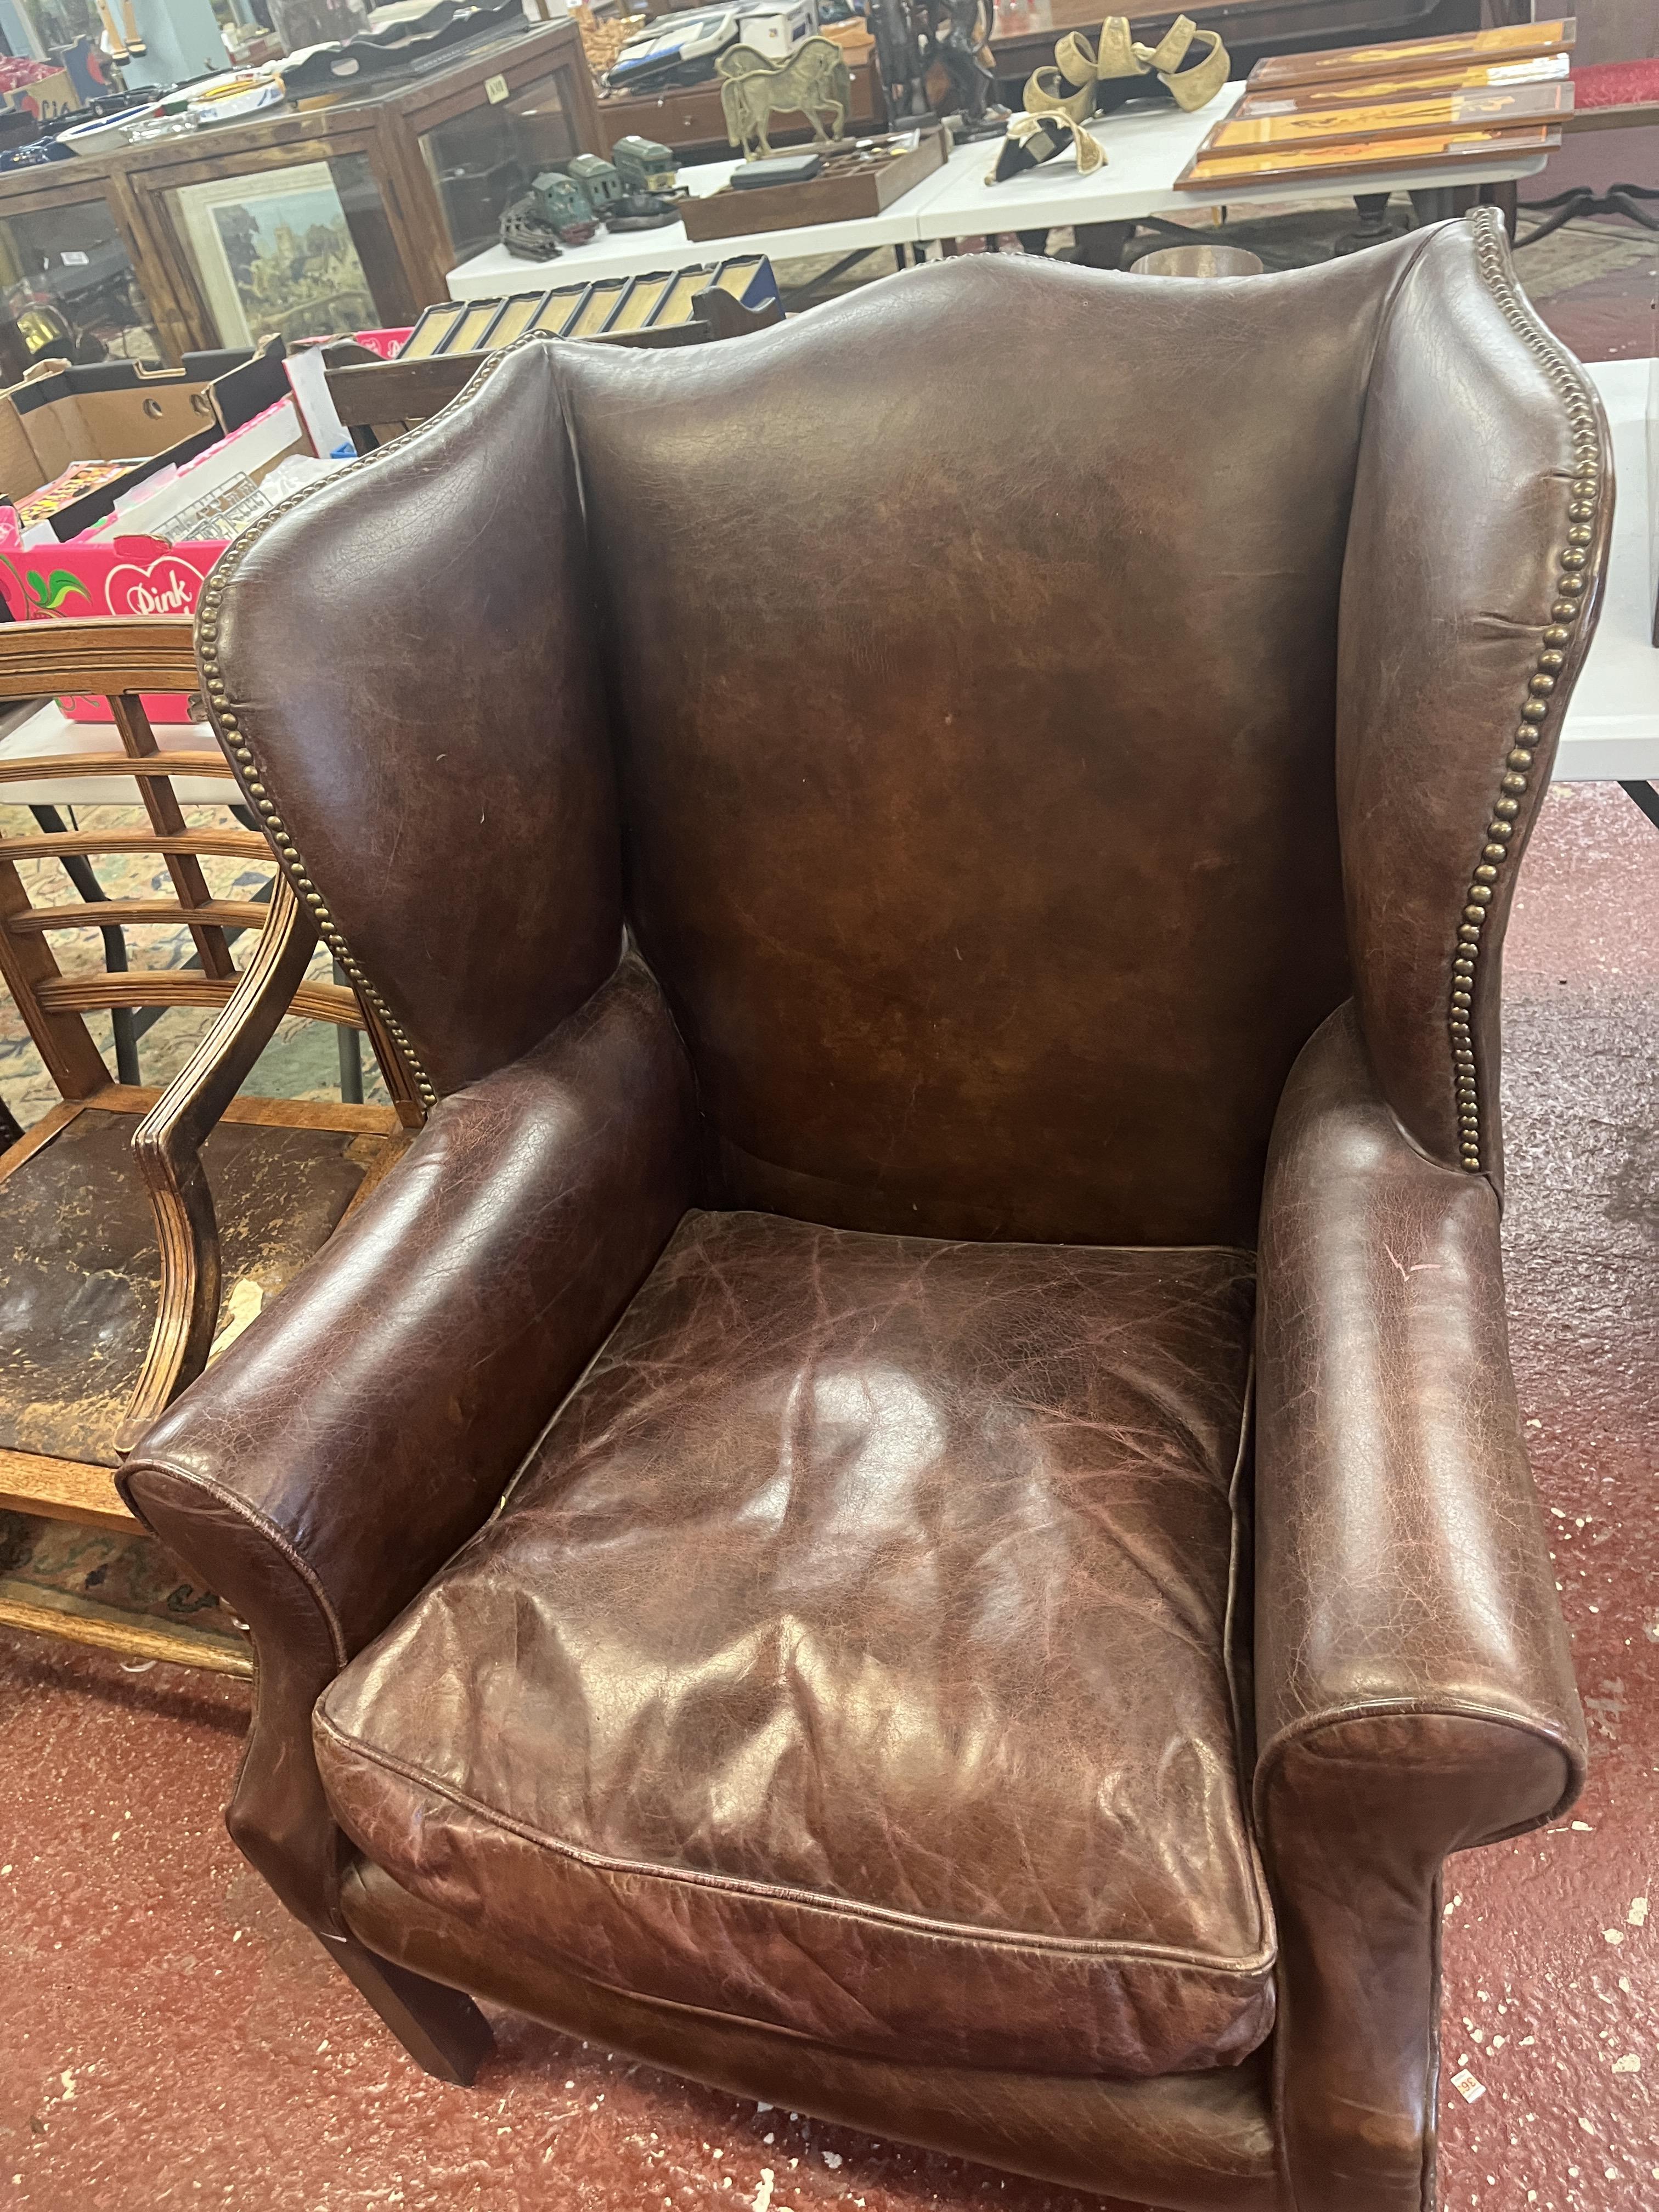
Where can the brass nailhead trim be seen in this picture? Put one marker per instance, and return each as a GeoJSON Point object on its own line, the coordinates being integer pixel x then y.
{"type": "Point", "coordinates": [1493, 257]}
{"type": "Point", "coordinates": [232, 726]}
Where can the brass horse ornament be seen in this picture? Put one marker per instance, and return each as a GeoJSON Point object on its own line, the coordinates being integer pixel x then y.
{"type": "Point", "coordinates": [813, 81]}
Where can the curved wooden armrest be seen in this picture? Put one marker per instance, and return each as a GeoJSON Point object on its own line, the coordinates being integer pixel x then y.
{"type": "Point", "coordinates": [169, 1147]}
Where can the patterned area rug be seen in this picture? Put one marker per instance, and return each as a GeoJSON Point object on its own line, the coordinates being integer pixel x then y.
{"type": "Point", "coordinates": [121, 1581]}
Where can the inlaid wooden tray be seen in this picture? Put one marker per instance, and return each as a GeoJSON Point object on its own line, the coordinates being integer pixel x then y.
{"type": "Point", "coordinates": [1445, 152]}
{"type": "Point", "coordinates": [1424, 115]}
{"type": "Point", "coordinates": [1508, 42]}
{"type": "Point", "coordinates": [854, 185]}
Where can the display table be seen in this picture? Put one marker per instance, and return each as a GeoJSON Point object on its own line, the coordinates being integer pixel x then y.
{"type": "Point", "coordinates": [1146, 148]}
{"type": "Point", "coordinates": [1611, 730]}
{"type": "Point", "coordinates": [496, 273]}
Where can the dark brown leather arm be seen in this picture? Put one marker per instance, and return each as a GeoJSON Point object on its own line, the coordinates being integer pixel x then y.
{"type": "Point", "coordinates": [1414, 1692]}
{"type": "Point", "coordinates": [358, 1432]}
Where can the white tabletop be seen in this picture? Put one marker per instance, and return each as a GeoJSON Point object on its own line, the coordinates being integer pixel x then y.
{"type": "Point", "coordinates": [1612, 728]}
{"type": "Point", "coordinates": [1146, 148]}
{"type": "Point", "coordinates": [495, 273]}
{"type": "Point", "coordinates": [50, 732]}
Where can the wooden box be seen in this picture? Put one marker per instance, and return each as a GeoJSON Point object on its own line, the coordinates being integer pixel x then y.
{"type": "Point", "coordinates": [845, 193]}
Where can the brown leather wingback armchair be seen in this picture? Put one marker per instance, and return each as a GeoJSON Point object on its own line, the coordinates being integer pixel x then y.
{"type": "Point", "coordinates": [940, 872]}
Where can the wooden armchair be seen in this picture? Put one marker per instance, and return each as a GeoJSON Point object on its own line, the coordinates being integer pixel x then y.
{"type": "Point", "coordinates": [115, 1258]}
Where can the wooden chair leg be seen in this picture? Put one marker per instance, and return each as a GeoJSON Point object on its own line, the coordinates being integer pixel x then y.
{"type": "Point", "coordinates": [442, 2031]}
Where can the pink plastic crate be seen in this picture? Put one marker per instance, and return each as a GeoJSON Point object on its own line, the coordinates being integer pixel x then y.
{"type": "Point", "coordinates": [126, 576]}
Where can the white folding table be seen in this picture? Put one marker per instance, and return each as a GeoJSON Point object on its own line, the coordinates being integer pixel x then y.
{"type": "Point", "coordinates": [1146, 148]}
{"type": "Point", "coordinates": [1612, 732]}
{"type": "Point", "coordinates": [495, 274]}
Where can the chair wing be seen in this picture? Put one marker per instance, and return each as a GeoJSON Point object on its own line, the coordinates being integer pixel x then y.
{"type": "Point", "coordinates": [1482, 506]}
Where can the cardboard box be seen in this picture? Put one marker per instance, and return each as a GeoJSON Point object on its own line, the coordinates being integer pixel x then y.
{"type": "Point", "coordinates": [144, 569]}
{"type": "Point", "coordinates": [106, 412]}
{"type": "Point", "coordinates": [46, 97]}
{"type": "Point", "coordinates": [246, 421]}
{"type": "Point", "coordinates": [215, 493]}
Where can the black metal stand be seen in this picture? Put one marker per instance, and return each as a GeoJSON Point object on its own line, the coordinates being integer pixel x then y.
{"type": "Point", "coordinates": [351, 1055]}
{"type": "Point", "coordinates": [1645, 797]}
{"type": "Point", "coordinates": [81, 874]}
{"type": "Point", "coordinates": [1571, 207]}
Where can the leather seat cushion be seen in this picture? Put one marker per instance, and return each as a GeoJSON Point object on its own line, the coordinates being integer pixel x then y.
{"type": "Point", "coordinates": [851, 1657]}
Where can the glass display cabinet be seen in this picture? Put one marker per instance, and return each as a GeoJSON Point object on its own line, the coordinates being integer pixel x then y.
{"type": "Point", "coordinates": [482, 157]}
{"type": "Point", "coordinates": [328, 218]}
{"type": "Point", "coordinates": [68, 286]}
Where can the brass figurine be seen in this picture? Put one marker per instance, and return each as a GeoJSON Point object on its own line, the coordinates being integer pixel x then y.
{"type": "Point", "coordinates": [813, 81]}
{"type": "Point", "coordinates": [1083, 81]}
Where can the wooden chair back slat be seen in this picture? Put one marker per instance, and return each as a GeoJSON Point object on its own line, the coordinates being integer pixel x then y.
{"type": "Point", "coordinates": [66, 768]}
{"type": "Point", "coordinates": [123, 914]}
{"type": "Point", "coordinates": [120, 660]}
{"type": "Point", "coordinates": [58, 844]}
{"type": "Point", "coordinates": [62, 1039]}
{"type": "Point", "coordinates": [156, 652]}
{"type": "Point", "coordinates": [88, 991]}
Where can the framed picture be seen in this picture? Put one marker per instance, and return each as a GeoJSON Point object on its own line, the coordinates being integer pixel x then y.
{"type": "Point", "coordinates": [273, 253]}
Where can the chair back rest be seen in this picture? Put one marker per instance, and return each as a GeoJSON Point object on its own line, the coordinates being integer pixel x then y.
{"type": "Point", "coordinates": [122, 661]}
{"type": "Point", "coordinates": [974, 655]}
{"type": "Point", "coordinates": [1010, 710]}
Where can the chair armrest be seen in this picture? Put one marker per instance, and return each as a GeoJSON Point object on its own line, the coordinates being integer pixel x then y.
{"type": "Point", "coordinates": [360, 1430]}
{"type": "Point", "coordinates": [1401, 1565]}
{"type": "Point", "coordinates": [1414, 1692]}
{"type": "Point", "coordinates": [168, 1145]}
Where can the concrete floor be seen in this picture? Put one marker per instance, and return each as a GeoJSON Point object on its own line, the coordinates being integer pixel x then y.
{"type": "Point", "coordinates": [167, 2037]}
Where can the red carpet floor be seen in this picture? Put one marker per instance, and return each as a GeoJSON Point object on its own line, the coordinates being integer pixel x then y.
{"type": "Point", "coordinates": [168, 2038]}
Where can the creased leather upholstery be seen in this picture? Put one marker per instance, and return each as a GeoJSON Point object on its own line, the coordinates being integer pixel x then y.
{"type": "Point", "coordinates": [422, 735]}
{"type": "Point", "coordinates": [1197, 2142]}
{"type": "Point", "coordinates": [1414, 1688]}
{"type": "Point", "coordinates": [1005, 800]}
{"type": "Point", "coordinates": [1440, 631]}
{"type": "Point", "coordinates": [394, 1381]}
{"type": "Point", "coordinates": [850, 1658]}
{"type": "Point", "coordinates": [1068, 934]}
